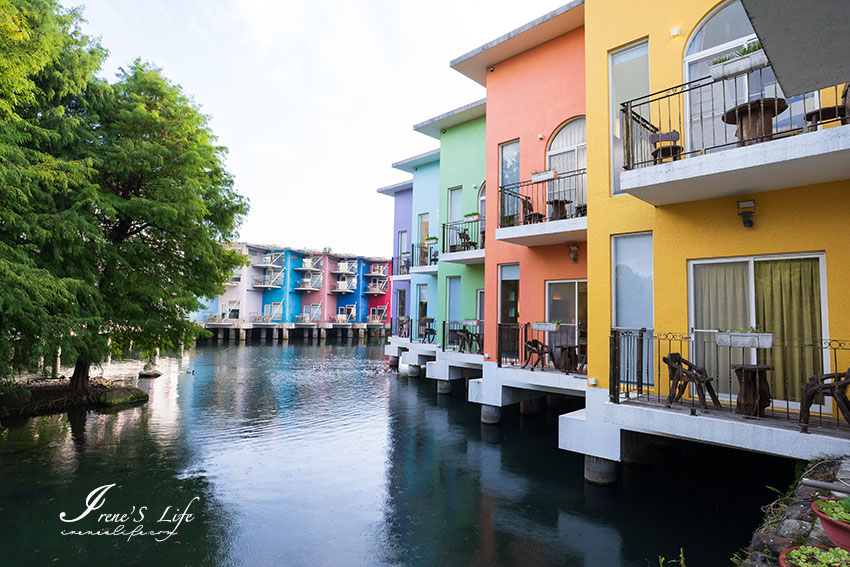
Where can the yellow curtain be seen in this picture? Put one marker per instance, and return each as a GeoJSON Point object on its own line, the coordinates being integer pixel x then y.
{"type": "Point", "coordinates": [787, 294]}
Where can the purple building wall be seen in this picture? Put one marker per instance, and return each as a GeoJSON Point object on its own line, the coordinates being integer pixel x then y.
{"type": "Point", "coordinates": [402, 193]}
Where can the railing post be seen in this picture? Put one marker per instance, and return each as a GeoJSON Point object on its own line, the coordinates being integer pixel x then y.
{"type": "Point", "coordinates": [626, 126]}
{"type": "Point", "coordinates": [639, 377]}
{"type": "Point", "coordinates": [614, 368]}
{"type": "Point", "coordinates": [499, 345]}
{"type": "Point", "coordinates": [444, 334]}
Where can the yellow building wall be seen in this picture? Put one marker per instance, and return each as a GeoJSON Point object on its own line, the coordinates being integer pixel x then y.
{"type": "Point", "coordinates": [804, 219]}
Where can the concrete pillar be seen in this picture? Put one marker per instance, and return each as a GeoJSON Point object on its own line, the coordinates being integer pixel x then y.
{"type": "Point", "coordinates": [108, 351]}
{"type": "Point", "coordinates": [530, 407]}
{"type": "Point", "coordinates": [394, 361]}
{"type": "Point", "coordinates": [491, 414]}
{"type": "Point", "coordinates": [444, 387]}
{"type": "Point", "coordinates": [285, 334]}
{"type": "Point", "coordinates": [57, 362]}
{"type": "Point", "coordinates": [636, 448]}
{"type": "Point", "coordinates": [275, 333]}
{"type": "Point", "coordinates": [413, 370]}
{"type": "Point", "coordinates": [180, 351]}
{"type": "Point", "coordinates": [242, 334]}
{"type": "Point", "coordinates": [599, 471]}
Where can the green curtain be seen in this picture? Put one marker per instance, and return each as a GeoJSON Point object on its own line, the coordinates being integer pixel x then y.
{"type": "Point", "coordinates": [788, 304]}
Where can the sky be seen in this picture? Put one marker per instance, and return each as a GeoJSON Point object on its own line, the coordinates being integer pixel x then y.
{"type": "Point", "coordinates": [314, 99]}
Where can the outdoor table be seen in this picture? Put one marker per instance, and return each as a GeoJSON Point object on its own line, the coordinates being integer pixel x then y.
{"type": "Point", "coordinates": [559, 208]}
{"type": "Point", "coordinates": [755, 119]}
{"type": "Point", "coordinates": [814, 117]}
{"type": "Point", "coordinates": [753, 389]}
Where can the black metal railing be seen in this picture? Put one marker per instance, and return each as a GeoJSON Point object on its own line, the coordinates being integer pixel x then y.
{"type": "Point", "coordinates": [463, 336]}
{"type": "Point", "coordinates": [528, 345]}
{"type": "Point", "coordinates": [401, 265]}
{"type": "Point", "coordinates": [531, 202]}
{"type": "Point", "coordinates": [424, 254]}
{"type": "Point", "coordinates": [778, 374]}
{"type": "Point", "coordinates": [707, 115]}
{"type": "Point", "coordinates": [463, 235]}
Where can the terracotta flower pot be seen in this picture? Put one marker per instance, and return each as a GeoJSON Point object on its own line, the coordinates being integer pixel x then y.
{"type": "Point", "coordinates": [783, 561]}
{"type": "Point", "coordinates": [837, 532]}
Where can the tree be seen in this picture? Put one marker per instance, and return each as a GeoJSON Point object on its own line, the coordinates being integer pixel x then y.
{"type": "Point", "coordinates": [163, 202]}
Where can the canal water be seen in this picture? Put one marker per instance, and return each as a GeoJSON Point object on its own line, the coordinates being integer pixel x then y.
{"type": "Point", "coordinates": [318, 455]}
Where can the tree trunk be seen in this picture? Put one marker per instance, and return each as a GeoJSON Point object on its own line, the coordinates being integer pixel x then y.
{"type": "Point", "coordinates": [80, 378]}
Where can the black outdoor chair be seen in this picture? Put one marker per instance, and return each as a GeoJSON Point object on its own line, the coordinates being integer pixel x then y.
{"type": "Point", "coordinates": [682, 371]}
{"type": "Point", "coordinates": [535, 347]}
{"type": "Point", "coordinates": [834, 385]}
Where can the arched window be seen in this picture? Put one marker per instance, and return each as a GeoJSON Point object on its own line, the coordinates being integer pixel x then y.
{"type": "Point", "coordinates": [568, 148]}
{"type": "Point", "coordinates": [482, 198]}
{"type": "Point", "coordinates": [726, 30]}
{"type": "Point", "coordinates": [567, 154]}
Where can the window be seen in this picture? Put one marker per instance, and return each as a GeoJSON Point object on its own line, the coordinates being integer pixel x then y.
{"type": "Point", "coordinates": [780, 295]}
{"type": "Point", "coordinates": [509, 293]}
{"type": "Point", "coordinates": [402, 241]}
{"type": "Point", "coordinates": [567, 153]}
{"type": "Point", "coordinates": [724, 31]}
{"type": "Point", "coordinates": [479, 305]}
{"type": "Point", "coordinates": [566, 301]}
{"type": "Point", "coordinates": [401, 303]}
{"type": "Point", "coordinates": [482, 199]}
{"type": "Point", "coordinates": [629, 79]}
{"type": "Point", "coordinates": [453, 298]}
{"type": "Point", "coordinates": [633, 281]}
{"type": "Point", "coordinates": [455, 204]}
{"type": "Point", "coordinates": [509, 181]}
{"type": "Point", "coordinates": [423, 227]}
{"type": "Point", "coordinates": [422, 293]}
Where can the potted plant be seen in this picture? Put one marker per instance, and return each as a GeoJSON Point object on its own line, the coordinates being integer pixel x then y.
{"type": "Point", "coordinates": [551, 326]}
{"type": "Point", "coordinates": [540, 176]}
{"type": "Point", "coordinates": [431, 240]}
{"type": "Point", "coordinates": [812, 556]}
{"type": "Point", "coordinates": [746, 59]}
{"type": "Point", "coordinates": [744, 338]}
{"type": "Point", "coordinates": [834, 514]}
{"type": "Point", "coordinates": [471, 217]}
{"type": "Point", "coordinates": [470, 322]}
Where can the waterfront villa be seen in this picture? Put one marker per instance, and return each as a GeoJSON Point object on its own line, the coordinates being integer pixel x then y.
{"type": "Point", "coordinates": [306, 291]}
{"type": "Point", "coordinates": [655, 177]}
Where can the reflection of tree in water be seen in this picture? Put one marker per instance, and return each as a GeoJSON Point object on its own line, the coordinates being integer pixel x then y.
{"type": "Point", "coordinates": [634, 295]}
{"type": "Point", "coordinates": [50, 465]}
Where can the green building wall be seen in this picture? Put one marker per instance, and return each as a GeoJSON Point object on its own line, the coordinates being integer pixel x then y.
{"type": "Point", "coordinates": [462, 163]}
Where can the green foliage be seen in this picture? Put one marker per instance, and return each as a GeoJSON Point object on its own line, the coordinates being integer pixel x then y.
{"type": "Point", "coordinates": [838, 510]}
{"type": "Point", "coordinates": [740, 330]}
{"type": "Point", "coordinates": [746, 50]}
{"type": "Point", "coordinates": [14, 390]}
{"type": "Point", "coordinates": [808, 556]}
{"type": "Point", "coordinates": [663, 561]}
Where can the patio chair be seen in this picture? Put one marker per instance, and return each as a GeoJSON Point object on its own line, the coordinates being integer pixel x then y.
{"type": "Point", "coordinates": [465, 241]}
{"type": "Point", "coordinates": [528, 214]}
{"type": "Point", "coordinates": [535, 347]}
{"type": "Point", "coordinates": [683, 371]}
{"type": "Point", "coordinates": [669, 150]}
{"type": "Point", "coordinates": [834, 385]}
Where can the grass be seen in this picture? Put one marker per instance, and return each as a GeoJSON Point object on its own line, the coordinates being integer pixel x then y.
{"type": "Point", "coordinates": [746, 50]}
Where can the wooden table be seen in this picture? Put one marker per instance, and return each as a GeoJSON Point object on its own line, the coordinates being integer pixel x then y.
{"type": "Point", "coordinates": [814, 117]}
{"type": "Point", "coordinates": [559, 208]}
{"type": "Point", "coordinates": [753, 389]}
{"type": "Point", "coordinates": [755, 119]}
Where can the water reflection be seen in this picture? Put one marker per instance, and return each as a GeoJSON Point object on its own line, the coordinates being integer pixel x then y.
{"type": "Point", "coordinates": [315, 455]}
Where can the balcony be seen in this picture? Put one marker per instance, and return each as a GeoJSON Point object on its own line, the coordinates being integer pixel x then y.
{"type": "Point", "coordinates": [561, 350]}
{"type": "Point", "coordinates": [378, 316]}
{"type": "Point", "coordinates": [463, 241]}
{"type": "Point", "coordinates": [310, 264]}
{"type": "Point", "coordinates": [345, 268]}
{"type": "Point", "coordinates": [270, 281]}
{"type": "Point", "coordinates": [463, 336]}
{"type": "Point", "coordinates": [377, 288]}
{"type": "Point", "coordinates": [401, 266]}
{"type": "Point", "coordinates": [544, 212]}
{"type": "Point", "coordinates": [424, 258]}
{"type": "Point", "coordinates": [717, 138]}
{"type": "Point", "coordinates": [345, 319]}
{"type": "Point", "coordinates": [378, 271]}
{"type": "Point", "coordinates": [234, 280]}
{"type": "Point", "coordinates": [313, 283]}
{"type": "Point", "coordinates": [227, 318]}
{"type": "Point", "coordinates": [344, 286]}
{"type": "Point", "coordinates": [759, 390]}
{"type": "Point", "coordinates": [274, 260]}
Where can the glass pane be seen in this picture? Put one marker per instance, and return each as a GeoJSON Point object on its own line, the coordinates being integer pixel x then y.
{"type": "Point", "coordinates": [562, 302]}
{"type": "Point", "coordinates": [509, 156]}
{"type": "Point", "coordinates": [727, 24]}
{"type": "Point", "coordinates": [571, 135]}
{"type": "Point", "coordinates": [455, 204]}
{"type": "Point", "coordinates": [629, 80]}
{"type": "Point", "coordinates": [633, 281]}
{"type": "Point", "coordinates": [453, 290]}
{"type": "Point", "coordinates": [423, 227]}
{"type": "Point", "coordinates": [509, 300]}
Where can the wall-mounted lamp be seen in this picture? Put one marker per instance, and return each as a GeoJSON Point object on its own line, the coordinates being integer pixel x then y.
{"type": "Point", "coordinates": [747, 209]}
{"type": "Point", "coordinates": [539, 136]}
{"type": "Point", "coordinates": [492, 69]}
{"type": "Point", "coordinates": [573, 252]}
{"type": "Point", "coordinates": [674, 32]}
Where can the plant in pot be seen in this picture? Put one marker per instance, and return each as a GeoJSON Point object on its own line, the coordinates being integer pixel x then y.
{"type": "Point", "coordinates": [747, 59]}
{"type": "Point", "coordinates": [834, 514]}
{"type": "Point", "coordinates": [540, 176]}
{"type": "Point", "coordinates": [744, 337]}
{"type": "Point", "coordinates": [812, 556]}
{"type": "Point", "coordinates": [547, 325]}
